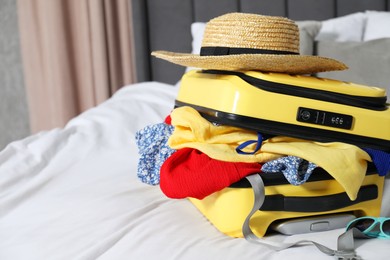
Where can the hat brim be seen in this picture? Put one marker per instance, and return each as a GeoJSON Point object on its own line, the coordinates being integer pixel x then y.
{"type": "Point", "coordinates": [291, 64]}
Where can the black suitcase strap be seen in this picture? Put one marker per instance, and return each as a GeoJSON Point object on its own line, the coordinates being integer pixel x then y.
{"type": "Point", "coordinates": [317, 204]}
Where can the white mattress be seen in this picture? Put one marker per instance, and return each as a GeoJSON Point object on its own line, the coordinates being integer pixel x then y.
{"type": "Point", "coordinates": [73, 193]}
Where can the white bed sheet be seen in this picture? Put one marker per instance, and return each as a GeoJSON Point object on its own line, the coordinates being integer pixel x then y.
{"type": "Point", "coordinates": [73, 193]}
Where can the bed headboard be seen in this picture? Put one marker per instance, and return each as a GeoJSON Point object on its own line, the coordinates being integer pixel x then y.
{"type": "Point", "coordinates": [165, 24]}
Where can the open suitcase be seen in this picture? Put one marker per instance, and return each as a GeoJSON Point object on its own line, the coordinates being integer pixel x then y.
{"type": "Point", "coordinates": [305, 107]}
{"type": "Point", "coordinates": [299, 106]}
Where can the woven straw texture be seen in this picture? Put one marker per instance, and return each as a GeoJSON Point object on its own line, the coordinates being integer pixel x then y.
{"type": "Point", "coordinates": [260, 32]}
{"type": "Point", "coordinates": [252, 31]}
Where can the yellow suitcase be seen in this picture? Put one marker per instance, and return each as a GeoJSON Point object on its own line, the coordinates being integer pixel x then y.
{"type": "Point", "coordinates": [305, 107]}
{"type": "Point", "coordinates": [227, 209]}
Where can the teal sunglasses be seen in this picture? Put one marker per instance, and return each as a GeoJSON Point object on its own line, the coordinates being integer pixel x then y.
{"type": "Point", "coordinates": [372, 227]}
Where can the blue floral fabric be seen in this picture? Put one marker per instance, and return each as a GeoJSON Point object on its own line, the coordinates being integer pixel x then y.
{"type": "Point", "coordinates": [153, 150]}
{"type": "Point", "coordinates": [296, 170]}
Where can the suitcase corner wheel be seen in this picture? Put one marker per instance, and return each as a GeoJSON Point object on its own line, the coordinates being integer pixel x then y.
{"type": "Point", "coordinates": [227, 209]}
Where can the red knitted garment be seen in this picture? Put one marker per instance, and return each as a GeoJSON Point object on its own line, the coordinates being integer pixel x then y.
{"type": "Point", "coordinates": [191, 173]}
{"type": "Point", "coordinates": [168, 120]}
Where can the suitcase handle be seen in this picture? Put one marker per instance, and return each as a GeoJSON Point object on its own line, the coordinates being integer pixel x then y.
{"type": "Point", "coordinates": [319, 203]}
{"type": "Point", "coordinates": [345, 248]}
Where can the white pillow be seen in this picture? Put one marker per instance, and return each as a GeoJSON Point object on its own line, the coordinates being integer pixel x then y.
{"type": "Point", "coordinates": [377, 25]}
{"type": "Point", "coordinates": [341, 29]}
{"type": "Point", "coordinates": [307, 32]}
{"type": "Point", "coordinates": [197, 31]}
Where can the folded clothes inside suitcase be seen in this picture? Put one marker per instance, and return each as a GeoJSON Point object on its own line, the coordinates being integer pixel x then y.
{"type": "Point", "coordinates": [299, 106]}
{"type": "Point", "coordinates": [306, 107]}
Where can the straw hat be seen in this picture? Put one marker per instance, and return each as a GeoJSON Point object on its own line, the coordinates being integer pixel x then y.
{"type": "Point", "coordinates": [241, 41]}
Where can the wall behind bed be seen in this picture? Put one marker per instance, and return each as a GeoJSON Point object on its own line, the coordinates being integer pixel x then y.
{"type": "Point", "coordinates": [165, 25]}
{"type": "Point", "coordinates": [14, 121]}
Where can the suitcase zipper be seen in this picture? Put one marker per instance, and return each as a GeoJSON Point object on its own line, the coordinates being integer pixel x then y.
{"type": "Point", "coordinates": [278, 128]}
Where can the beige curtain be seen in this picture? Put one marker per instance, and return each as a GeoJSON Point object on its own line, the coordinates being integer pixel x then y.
{"type": "Point", "coordinates": [76, 54]}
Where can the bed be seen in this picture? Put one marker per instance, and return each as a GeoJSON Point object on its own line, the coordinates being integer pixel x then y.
{"type": "Point", "coordinates": [73, 192]}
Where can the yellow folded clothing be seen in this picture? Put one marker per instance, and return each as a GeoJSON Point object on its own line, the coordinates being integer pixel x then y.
{"type": "Point", "coordinates": [218, 142]}
{"type": "Point", "coordinates": [346, 163]}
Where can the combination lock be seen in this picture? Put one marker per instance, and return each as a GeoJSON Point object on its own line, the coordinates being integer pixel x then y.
{"type": "Point", "coordinates": [320, 117]}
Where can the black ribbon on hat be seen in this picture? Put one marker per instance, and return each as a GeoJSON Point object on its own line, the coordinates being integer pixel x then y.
{"type": "Point", "coordinates": [218, 51]}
